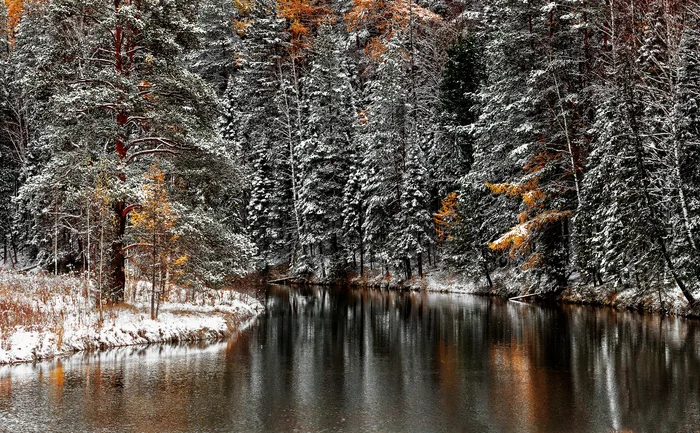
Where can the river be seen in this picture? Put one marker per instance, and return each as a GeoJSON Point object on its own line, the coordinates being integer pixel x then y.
{"type": "Point", "coordinates": [377, 361]}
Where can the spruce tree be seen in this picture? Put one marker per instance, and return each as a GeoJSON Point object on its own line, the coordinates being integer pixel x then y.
{"type": "Point", "coordinates": [326, 154]}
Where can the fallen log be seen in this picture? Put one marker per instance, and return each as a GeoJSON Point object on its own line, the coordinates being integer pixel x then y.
{"type": "Point", "coordinates": [281, 280]}
{"type": "Point", "coordinates": [522, 296]}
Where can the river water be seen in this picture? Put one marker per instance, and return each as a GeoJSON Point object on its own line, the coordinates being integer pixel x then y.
{"type": "Point", "coordinates": [370, 361]}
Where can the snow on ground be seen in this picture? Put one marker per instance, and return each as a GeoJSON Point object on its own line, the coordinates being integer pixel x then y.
{"type": "Point", "coordinates": [42, 317]}
{"type": "Point", "coordinates": [664, 297]}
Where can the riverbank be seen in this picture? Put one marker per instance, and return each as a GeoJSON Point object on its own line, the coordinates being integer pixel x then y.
{"type": "Point", "coordinates": [44, 316]}
{"type": "Point", "coordinates": [662, 298]}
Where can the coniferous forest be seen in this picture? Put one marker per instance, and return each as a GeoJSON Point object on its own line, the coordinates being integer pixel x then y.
{"type": "Point", "coordinates": [199, 141]}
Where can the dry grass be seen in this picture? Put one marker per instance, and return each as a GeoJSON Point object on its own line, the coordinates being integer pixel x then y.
{"type": "Point", "coordinates": [35, 302]}
{"type": "Point", "coordinates": [17, 313]}
{"type": "Point", "coordinates": [41, 316]}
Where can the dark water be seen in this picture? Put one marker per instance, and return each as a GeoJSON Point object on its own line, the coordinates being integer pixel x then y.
{"type": "Point", "coordinates": [377, 361]}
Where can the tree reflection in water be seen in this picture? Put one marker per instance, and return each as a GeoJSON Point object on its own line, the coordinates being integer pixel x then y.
{"type": "Point", "coordinates": [358, 360]}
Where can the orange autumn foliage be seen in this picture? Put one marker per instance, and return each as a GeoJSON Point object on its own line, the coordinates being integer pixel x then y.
{"type": "Point", "coordinates": [534, 217]}
{"type": "Point", "coordinates": [362, 117]}
{"type": "Point", "coordinates": [244, 8]}
{"type": "Point", "coordinates": [155, 222]}
{"type": "Point", "coordinates": [446, 217]}
{"type": "Point", "coordinates": [518, 239]}
{"type": "Point", "coordinates": [385, 17]}
{"type": "Point", "coordinates": [375, 48]}
{"type": "Point", "coordinates": [303, 18]}
{"type": "Point", "coordinates": [14, 12]}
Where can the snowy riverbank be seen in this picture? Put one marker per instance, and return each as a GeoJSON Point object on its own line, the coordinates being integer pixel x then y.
{"type": "Point", "coordinates": [663, 298]}
{"type": "Point", "coordinates": [42, 317]}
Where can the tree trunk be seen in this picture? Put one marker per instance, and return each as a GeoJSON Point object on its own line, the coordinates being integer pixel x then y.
{"type": "Point", "coordinates": [362, 259]}
{"type": "Point", "coordinates": [153, 274]}
{"type": "Point", "coordinates": [486, 268]}
{"type": "Point", "coordinates": [420, 265]}
{"type": "Point", "coordinates": [118, 258]}
{"type": "Point", "coordinates": [323, 264]}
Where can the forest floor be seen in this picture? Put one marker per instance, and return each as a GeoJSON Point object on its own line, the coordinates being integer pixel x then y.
{"type": "Point", "coordinates": [46, 316]}
{"type": "Point", "coordinates": [660, 297]}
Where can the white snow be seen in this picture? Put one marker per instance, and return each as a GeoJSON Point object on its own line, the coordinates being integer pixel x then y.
{"type": "Point", "coordinates": [43, 317]}
{"type": "Point", "coordinates": [665, 299]}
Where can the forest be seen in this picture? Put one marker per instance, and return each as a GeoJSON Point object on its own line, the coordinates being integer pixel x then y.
{"type": "Point", "coordinates": [194, 142]}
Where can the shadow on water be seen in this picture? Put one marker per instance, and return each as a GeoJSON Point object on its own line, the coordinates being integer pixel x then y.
{"type": "Point", "coordinates": [359, 360]}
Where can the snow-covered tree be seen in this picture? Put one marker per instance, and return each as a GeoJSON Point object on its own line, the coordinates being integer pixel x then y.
{"type": "Point", "coordinates": [215, 58]}
{"type": "Point", "coordinates": [117, 72]}
{"type": "Point", "coordinates": [252, 125]}
{"type": "Point", "coordinates": [326, 154]}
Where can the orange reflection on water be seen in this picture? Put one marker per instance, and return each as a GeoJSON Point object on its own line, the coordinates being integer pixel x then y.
{"type": "Point", "coordinates": [6, 386]}
{"type": "Point", "coordinates": [513, 395]}
{"type": "Point", "coordinates": [57, 381]}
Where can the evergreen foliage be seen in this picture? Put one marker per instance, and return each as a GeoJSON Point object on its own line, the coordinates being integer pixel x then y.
{"type": "Point", "coordinates": [555, 142]}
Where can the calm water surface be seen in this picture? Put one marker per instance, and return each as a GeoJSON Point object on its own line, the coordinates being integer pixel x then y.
{"type": "Point", "coordinates": [375, 361]}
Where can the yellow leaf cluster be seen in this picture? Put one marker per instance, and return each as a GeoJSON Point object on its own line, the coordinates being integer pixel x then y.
{"type": "Point", "coordinates": [155, 212]}
{"type": "Point", "coordinates": [512, 189]}
{"type": "Point", "coordinates": [517, 239]}
{"type": "Point", "coordinates": [244, 7]}
{"type": "Point", "coordinates": [375, 48]}
{"type": "Point", "coordinates": [180, 261]}
{"type": "Point", "coordinates": [446, 217]}
{"type": "Point", "coordinates": [154, 222]}
{"type": "Point", "coordinates": [529, 192]}
{"type": "Point", "coordinates": [241, 26]}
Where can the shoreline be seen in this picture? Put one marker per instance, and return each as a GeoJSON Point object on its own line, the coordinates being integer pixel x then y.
{"type": "Point", "coordinates": [188, 335]}
{"type": "Point", "coordinates": [665, 301]}
{"type": "Point", "coordinates": [44, 317]}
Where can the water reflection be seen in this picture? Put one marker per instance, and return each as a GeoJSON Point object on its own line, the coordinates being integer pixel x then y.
{"type": "Point", "coordinates": [381, 361]}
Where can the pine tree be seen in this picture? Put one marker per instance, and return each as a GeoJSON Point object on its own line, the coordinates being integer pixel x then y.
{"type": "Point", "coordinates": [252, 125]}
{"type": "Point", "coordinates": [215, 57]}
{"type": "Point", "coordinates": [414, 232]}
{"type": "Point", "coordinates": [461, 77]}
{"type": "Point", "coordinates": [382, 138]}
{"type": "Point", "coordinates": [528, 104]}
{"type": "Point", "coordinates": [326, 154]}
{"type": "Point", "coordinates": [353, 212]}
{"type": "Point", "coordinates": [686, 118]}
{"type": "Point", "coordinates": [117, 72]}
{"type": "Point", "coordinates": [616, 228]}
